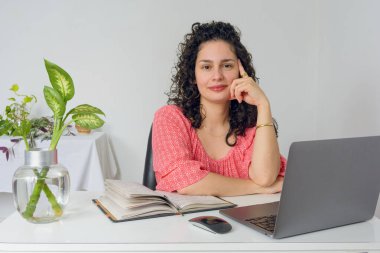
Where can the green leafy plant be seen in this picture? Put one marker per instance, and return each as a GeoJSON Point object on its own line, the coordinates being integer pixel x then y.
{"type": "Point", "coordinates": [16, 123]}
{"type": "Point", "coordinates": [56, 97]}
{"type": "Point", "coordinates": [16, 120]}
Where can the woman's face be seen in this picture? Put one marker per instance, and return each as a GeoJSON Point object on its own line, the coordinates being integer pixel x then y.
{"type": "Point", "coordinates": [216, 67]}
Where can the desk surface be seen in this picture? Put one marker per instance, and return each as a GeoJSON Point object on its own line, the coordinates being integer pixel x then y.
{"type": "Point", "coordinates": [84, 227]}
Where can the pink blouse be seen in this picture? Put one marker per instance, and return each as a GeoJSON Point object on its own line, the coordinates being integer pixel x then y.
{"type": "Point", "coordinates": [180, 160]}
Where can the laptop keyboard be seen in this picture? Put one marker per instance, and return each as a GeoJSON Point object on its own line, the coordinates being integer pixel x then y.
{"type": "Point", "coordinates": [265, 222]}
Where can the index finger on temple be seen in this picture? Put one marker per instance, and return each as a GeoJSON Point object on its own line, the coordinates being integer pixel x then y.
{"type": "Point", "coordinates": [241, 68]}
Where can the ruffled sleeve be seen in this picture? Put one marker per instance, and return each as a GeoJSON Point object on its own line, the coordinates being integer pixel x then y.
{"type": "Point", "coordinates": [173, 161]}
{"type": "Point", "coordinates": [282, 166]}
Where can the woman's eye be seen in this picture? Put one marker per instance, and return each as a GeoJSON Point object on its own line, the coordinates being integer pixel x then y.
{"type": "Point", "coordinates": [228, 66]}
{"type": "Point", "coordinates": [206, 67]}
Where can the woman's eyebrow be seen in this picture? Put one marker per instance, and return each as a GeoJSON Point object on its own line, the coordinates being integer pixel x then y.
{"type": "Point", "coordinates": [207, 61]}
{"type": "Point", "coordinates": [210, 61]}
{"type": "Point", "coordinates": [226, 60]}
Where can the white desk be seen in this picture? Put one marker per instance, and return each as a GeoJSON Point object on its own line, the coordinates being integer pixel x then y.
{"type": "Point", "coordinates": [85, 228]}
{"type": "Point", "coordinates": [88, 158]}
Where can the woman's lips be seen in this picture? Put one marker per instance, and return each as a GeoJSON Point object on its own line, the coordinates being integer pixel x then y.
{"type": "Point", "coordinates": [218, 87]}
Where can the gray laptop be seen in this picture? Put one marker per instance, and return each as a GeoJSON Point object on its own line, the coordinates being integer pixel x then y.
{"type": "Point", "coordinates": [328, 183]}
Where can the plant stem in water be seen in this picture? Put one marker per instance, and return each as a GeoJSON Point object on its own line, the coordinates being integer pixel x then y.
{"type": "Point", "coordinates": [36, 194]}
{"type": "Point", "coordinates": [53, 201]}
{"type": "Point", "coordinates": [31, 206]}
{"type": "Point", "coordinates": [50, 196]}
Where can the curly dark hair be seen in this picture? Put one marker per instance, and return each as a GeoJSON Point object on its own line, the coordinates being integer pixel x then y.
{"type": "Point", "coordinates": [184, 94]}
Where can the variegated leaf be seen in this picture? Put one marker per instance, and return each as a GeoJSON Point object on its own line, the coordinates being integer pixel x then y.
{"type": "Point", "coordinates": [91, 121]}
{"type": "Point", "coordinates": [86, 109]}
{"type": "Point", "coordinates": [55, 101]}
{"type": "Point", "coordinates": [60, 80]}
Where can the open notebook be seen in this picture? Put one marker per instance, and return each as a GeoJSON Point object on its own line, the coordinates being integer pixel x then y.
{"type": "Point", "coordinates": [125, 201]}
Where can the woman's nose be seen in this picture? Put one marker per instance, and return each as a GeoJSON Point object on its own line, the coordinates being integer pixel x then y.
{"type": "Point", "coordinates": [217, 74]}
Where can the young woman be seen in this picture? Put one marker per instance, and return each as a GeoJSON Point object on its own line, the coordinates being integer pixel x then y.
{"type": "Point", "coordinates": [216, 136]}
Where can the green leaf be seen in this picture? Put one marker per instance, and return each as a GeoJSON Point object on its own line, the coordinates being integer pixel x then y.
{"type": "Point", "coordinates": [12, 99]}
{"type": "Point", "coordinates": [23, 129]}
{"type": "Point", "coordinates": [86, 109]}
{"type": "Point", "coordinates": [91, 121]}
{"type": "Point", "coordinates": [60, 80]}
{"type": "Point", "coordinates": [28, 99]}
{"type": "Point", "coordinates": [5, 127]}
{"type": "Point", "coordinates": [14, 88]}
{"type": "Point", "coordinates": [55, 102]}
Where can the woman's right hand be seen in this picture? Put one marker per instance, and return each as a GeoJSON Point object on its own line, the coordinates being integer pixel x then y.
{"type": "Point", "coordinates": [274, 188]}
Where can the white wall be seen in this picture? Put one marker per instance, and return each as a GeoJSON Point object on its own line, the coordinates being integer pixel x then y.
{"type": "Point", "coordinates": [316, 60]}
{"type": "Point", "coordinates": [348, 91]}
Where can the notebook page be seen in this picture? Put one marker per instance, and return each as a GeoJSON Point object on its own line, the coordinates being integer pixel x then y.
{"type": "Point", "coordinates": [129, 189]}
{"type": "Point", "coordinates": [181, 201]}
{"type": "Point", "coordinates": [133, 202]}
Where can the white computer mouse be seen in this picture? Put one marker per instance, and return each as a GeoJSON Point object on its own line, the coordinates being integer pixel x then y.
{"type": "Point", "coordinates": [212, 224]}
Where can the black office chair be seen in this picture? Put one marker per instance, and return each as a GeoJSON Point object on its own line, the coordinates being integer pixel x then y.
{"type": "Point", "coordinates": [149, 179]}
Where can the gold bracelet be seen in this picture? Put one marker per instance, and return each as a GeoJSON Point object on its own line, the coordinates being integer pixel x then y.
{"type": "Point", "coordinates": [264, 125]}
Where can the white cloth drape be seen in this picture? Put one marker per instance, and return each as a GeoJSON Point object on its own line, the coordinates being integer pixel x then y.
{"type": "Point", "coordinates": [89, 159]}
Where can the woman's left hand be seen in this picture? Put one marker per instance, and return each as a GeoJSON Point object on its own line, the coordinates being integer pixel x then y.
{"type": "Point", "coordinates": [246, 89]}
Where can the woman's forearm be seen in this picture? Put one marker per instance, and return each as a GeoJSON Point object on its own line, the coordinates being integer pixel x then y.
{"type": "Point", "coordinates": [218, 185]}
{"type": "Point", "coordinates": [265, 163]}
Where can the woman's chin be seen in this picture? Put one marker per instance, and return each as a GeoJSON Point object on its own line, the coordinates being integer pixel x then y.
{"type": "Point", "coordinates": [218, 100]}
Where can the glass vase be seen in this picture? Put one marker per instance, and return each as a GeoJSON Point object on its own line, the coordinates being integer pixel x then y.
{"type": "Point", "coordinates": [41, 187]}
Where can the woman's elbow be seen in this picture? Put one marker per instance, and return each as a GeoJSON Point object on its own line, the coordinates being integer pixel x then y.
{"type": "Point", "coordinates": [263, 180]}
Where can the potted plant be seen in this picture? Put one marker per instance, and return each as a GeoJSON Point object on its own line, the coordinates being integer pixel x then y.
{"type": "Point", "coordinates": [41, 171]}
{"type": "Point", "coordinates": [82, 130]}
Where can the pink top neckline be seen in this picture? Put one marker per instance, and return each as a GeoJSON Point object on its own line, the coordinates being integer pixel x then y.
{"type": "Point", "coordinates": [205, 152]}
